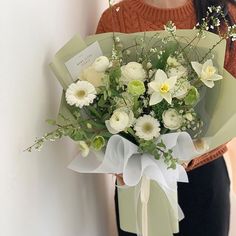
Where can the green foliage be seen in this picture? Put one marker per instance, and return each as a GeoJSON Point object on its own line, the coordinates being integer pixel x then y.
{"type": "Point", "coordinates": [192, 97]}
{"type": "Point", "coordinates": [160, 108]}
{"type": "Point", "coordinates": [160, 61]}
{"type": "Point", "coordinates": [158, 150]}
{"type": "Point", "coordinates": [51, 122]}
{"type": "Point", "coordinates": [114, 75]}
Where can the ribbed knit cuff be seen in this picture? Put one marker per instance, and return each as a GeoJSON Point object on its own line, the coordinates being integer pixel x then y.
{"type": "Point", "coordinates": [206, 158]}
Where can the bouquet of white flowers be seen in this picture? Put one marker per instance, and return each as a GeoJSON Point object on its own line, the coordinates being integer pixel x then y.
{"type": "Point", "coordinates": [136, 106]}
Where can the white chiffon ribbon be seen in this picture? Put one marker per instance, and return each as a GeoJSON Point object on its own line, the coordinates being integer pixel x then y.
{"type": "Point", "coordinates": [144, 197]}
{"type": "Point", "coordinates": [122, 156]}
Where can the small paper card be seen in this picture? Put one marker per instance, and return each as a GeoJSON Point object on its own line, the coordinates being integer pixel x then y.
{"type": "Point", "coordinates": [83, 59]}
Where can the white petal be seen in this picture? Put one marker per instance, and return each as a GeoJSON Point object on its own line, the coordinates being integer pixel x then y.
{"type": "Point", "coordinates": [172, 81]}
{"type": "Point", "coordinates": [154, 86]}
{"type": "Point", "coordinates": [160, 76]}
{"type": "Point", "coordinates": [167, 97]}
{"type": "Point", "coordinates": [110, 129]}
{"type": "Point", "coordinates": [216, 77]}
{"type": "Point", "coordinates": [208, 63]}
{"type": "Point", "coordinates": [155, 98]}
{"type": "Point", "coordinates": [208, 83]}
{"type": "Point", "coordinates": [197, 67]}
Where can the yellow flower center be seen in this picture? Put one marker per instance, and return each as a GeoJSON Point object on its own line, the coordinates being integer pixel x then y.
{"type": "Point", "coordinates": [147, 128]}
{"type": "Point", "coordinates": [210, 70]}
{"type": "Point", "coordinates": [81, 94]}
{"type": "Point", "coordinates": [165, 88]}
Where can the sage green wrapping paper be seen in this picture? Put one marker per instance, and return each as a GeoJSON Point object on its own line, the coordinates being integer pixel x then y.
{"type": "Point", "coordinates": [161, 220]}
{"type": "Point", "coordinates": [218, 102]}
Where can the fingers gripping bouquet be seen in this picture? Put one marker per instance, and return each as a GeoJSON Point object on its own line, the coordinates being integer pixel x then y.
{"type": "Point", "coordinates": [138, 106]}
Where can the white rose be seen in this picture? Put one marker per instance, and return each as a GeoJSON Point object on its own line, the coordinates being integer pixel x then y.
{"type": "Point", "coordinates": [181, 88]}
{"type": "Point", "coordinates": [101, 64]}
{"type": "Point", "coordinates": [120, 120]}
{"type": "Point", "coordinates": [172, 119]}
{"type": "Point", "coordinates": [179, 71]}
{"type": "Point", "coordinates": [132, 71]}
{"type": "Point", "coordinates": [92, 76]}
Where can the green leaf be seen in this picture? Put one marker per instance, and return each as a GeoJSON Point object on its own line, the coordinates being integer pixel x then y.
{"type": "Point", "coordinates": [77, 135]}
{"type": "Point", "coordinates": [97, 124]}
{"type": "Point", "coordinates": [161, 63]}
{"type": "Point", "coordinates": [161, 144]}
{"type": "Point", "coordinates": [94, 112]}
{"type": "Point", "coordinates": [51, 122]}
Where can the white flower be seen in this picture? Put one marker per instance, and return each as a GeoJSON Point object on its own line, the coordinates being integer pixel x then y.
{"type": "Point", "coordinates": [120, 120]}
{"type": "Point", "coordinates": [147, 127]}
{"type": "Point", "coordinates": [181, 88]}
{"type": "Point", "coordinates": [92, 76]}
{"type": "Point", "coordinates": [161, 88]}
{"type": "Point", "coordinates": [80, 94]}
{"type": "Point", "coordinates": [189, 116]}
{"type": "Point", "coordinates": [149, 65]}
{"type": "Point", "coordinates": [132, 71]}
{"type": "Point", "coordinates": [206, 72]}
{"type": "Point", "coordinates": [179, 71]}
{"type": "Point", "coordinates": [172, 61]}
{"type": "Point", "coordinates": [172, 119]}
{"type": "Point", "coordinates": [101, 64]}
{"type": "Point", "coordinates": [83, 147]}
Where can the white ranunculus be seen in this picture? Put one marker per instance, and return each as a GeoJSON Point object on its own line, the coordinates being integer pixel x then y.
{"type": "Point", "coordinates": [132, 71]}
{"type": "Point", "coordinates": [81, 93]}
{"type": "Point", "coordinates": [172, 119]}
{"type": "Point", "coordinates": [101, 64]}
{"type": "Point", "coordinates": [181, 88]}
{"type": "Point", "coordinates": [161, 88]}
{"type": "Point", "coordinates": [120, 120]}
{"type": "Point", "coordinates": [83, 147]}
{"type": "Point", "coordinates": [206, 72]}
{"type": "Point", "coordinates": [179, 71]}
{"type": "Point", "coordinates": [92, 76]}
{"type": "Point", "coordinates": [147, 127]}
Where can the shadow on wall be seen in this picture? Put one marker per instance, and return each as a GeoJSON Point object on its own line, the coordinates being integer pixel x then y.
{"type": "Point", "coordinates": [92, 185]}
{"type": "Point", "coordinates": [89, 13]}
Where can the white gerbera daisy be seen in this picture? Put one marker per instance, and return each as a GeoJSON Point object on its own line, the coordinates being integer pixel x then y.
{"type": "Point", "coordinates": [147, 127]}
{"type": "Point", "coordinates": [80, 94]}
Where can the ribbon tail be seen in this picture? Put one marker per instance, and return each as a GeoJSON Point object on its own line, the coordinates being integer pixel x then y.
{"type": "Point", "coordinates": [144, 195]}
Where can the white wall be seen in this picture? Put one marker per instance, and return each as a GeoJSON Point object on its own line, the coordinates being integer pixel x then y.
{"type": "Point", "coordinates": [39, 196]}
